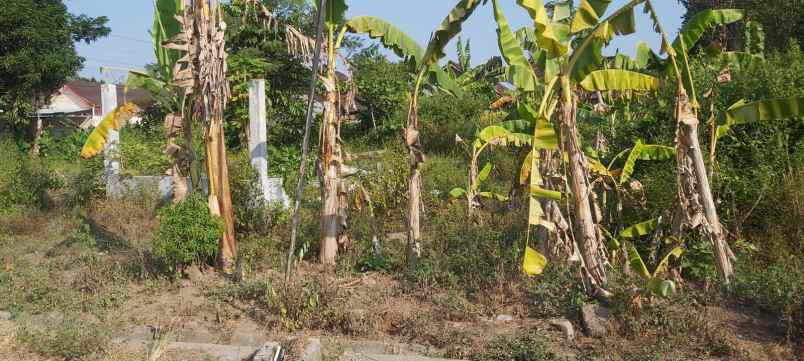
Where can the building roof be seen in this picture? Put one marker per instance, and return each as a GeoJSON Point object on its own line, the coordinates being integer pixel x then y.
{"type": "Point", "coordinates": [91, 93]}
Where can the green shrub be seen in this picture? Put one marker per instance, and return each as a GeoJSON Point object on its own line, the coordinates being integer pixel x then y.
{"type": "Point", "coordinates": [187, 232]}
{"type": "Point", "coordinates": [776, 287]}
{"type": "Point", "coordinates": [253, 216]}
{"type": "Point", "coordinates": [142, 151]}
{"type": "Point", "coordinates": [62, 146]}
{"type": "Point", "coordinates": [469, 254]}
{"type": "Point", "coordinates": [383, 88]}
{"type": "Point", "coordinates": [442, 116]}
{"type": "Point", "coordinates": [23, 181]}
{"type": "Point", "coordinates": [87, 184]}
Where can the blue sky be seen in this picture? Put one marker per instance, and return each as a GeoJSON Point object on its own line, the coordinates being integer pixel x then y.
{"type": "Point", "coordinates": [129, 44]}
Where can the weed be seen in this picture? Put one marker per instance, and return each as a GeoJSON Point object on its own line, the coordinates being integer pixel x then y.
{"type": "Point", "coordinates": [556, 292]}
{"type": "Point", "coordinates": [69, 338]}
{"type": "Point", "coordinates": [528, 346]}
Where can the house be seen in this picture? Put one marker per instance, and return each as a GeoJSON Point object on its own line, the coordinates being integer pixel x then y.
{"type": "Point", "coordinates": [78, 104]}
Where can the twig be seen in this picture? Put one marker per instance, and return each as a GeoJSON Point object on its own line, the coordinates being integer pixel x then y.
{"type": "Point", "coordinates": [306, 143]}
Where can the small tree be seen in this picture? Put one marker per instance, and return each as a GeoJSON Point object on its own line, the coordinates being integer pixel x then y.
{"type": "Point", "coordinates": [38, 56]}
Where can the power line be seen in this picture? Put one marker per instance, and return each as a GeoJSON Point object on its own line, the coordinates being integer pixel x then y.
{"type": "Point", "coordinates": [131, 39]}
{"type": "Point", "coordinates": [129, 51]}
{"type": "Point", "coordinates": [113, 63]}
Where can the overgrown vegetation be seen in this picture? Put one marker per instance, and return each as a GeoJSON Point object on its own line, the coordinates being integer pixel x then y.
{"type": "Point", "coordinates": [187, 232]}
{"type": "Point", "coordinates": [84, 264]}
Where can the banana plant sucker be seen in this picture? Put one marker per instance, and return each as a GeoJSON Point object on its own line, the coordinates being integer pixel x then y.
{"type": "Point", "coordinates": [697, 206]}
{"type": "Point", "coordinates": [448, 29]}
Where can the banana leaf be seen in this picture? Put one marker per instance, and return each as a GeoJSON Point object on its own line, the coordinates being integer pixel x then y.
{"type": "Point", "coordinates": [761, 111]}
{"type": "Point", "coordinates": [449, 28]}
{"type": "Point", "coordinates": [617, 79]}
{"type": "Point", "coordinates": [391, 36]}
{"type": "Point", "coordinates": [534, 262]}
{"type": "Point", "coordinates": [639, 229]}
{"type": "Point", "coordinates": [520, 70]}
{"type": "Point", "coordinates": [113, 121]}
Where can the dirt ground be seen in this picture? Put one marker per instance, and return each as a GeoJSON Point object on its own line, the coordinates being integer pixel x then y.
{"type": "Point", "coordinates": [48, 270]}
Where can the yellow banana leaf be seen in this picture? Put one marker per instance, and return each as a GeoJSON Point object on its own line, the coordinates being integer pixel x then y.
{"type": "Point", "coordinates": [113, 121]}
{"type": "Point", "coordinates": [534, 262]}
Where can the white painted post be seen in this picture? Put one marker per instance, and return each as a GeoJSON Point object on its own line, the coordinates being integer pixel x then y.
{"type": "Point", "coordinates": [271, 188]}
{"type": "Point", "coordinates": [110, 163]}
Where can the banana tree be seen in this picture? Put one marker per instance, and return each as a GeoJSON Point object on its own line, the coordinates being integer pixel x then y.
{"type": "Point", "coordinates": [570, 51]}
{"type": "Point", "coordinates": [492, 135]}
{"type": "Point", "coordinates": [424, 66]}
{"type": "Point", "coordinates": [200, 72]}
{"type": "Point", "coordinates": [696, 204]}
{"type": "Point", "coordinates": [169, 97]}
{"type": "Point", "coordinates": [620, 180]}
{"type": "Point", "coordinates": [654, 282]}
{"type": "Point", "coordinates": [330, 157]}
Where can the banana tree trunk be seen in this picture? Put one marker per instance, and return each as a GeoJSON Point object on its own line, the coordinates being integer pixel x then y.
{"type": "Point", "coordinates": [413, 142]}
{"type": "Point", "coordinates": [192, 158]}
{"type": "Point", "coordinates": [471, 189]}
{"type": "Point", "coordinates": [173, 125]}
{"type": "Point", "coordinates": [698, 206]}
{"type": "Point", "coordinates": [329, 164]}
{"type": "Point", "coordinates": [38, 131]}
{"type": "Point", "coordinates": [220, 196]}
{"type": "Point", "coordinates": [586, 234]}
{"type": "Point", "coordinates": [555, 243]}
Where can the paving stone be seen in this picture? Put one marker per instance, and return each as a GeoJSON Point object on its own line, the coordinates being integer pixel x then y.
{"type": "Point", "coordinates": [219, 352]}
{"type": "Point", "coordinates": [248, 335]}
{"type": "Point", "coordinates": [352, 356]}
{"type": "Point", "coordinates": [595, 320]}
{"type": "Point", "coordinates": [313, 350]}
{"type": "Point", "coordinates": [5, 316]}
{"type": "Point", "coordinates": [268, 352]}
{"type": "Point", "coordinates": [565, 326]}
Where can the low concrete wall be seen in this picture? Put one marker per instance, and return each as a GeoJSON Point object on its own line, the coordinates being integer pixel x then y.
{"type": "Point", "coordinates": [119, 187]}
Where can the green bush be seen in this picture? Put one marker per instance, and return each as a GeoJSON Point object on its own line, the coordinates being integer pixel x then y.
{"type": "Point", "coordinates": [87, 184]}
{"type": "Point", "coordinates": [557, 293]}
{"type": "Point", "coordinates": [253, 216]}
{"type": "Point", "coordinates": [62, 147]}
{"type": "Point", "coordinates": [142, 151]}
{"type": "Point", "coordinates": [442, 116]}
{"type": "Point", "coordinates": [187, 232]}
{"type": "Point", "coordinates": [776, 287]}
{"type": "Point", "coordinates": [383, 88]}
{"type": "Point", "coordinates": [23, 181]}
{"type": "Point", "coordinates": [469, 254]}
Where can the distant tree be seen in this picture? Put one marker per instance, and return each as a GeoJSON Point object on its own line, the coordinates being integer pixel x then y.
{"type": "Point", "coordinates": [782, 20]}
{"type": "Point", "coordinates": [37, 56]}
{"type": "Point", "coordinates": [381, 88]}
{"type": "Point", "coordinates": [257, 52]}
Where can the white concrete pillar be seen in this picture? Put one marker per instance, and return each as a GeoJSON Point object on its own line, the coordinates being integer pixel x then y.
{"type": "Point", "coordinates": [110, 163]}
{"type": "Point", "coordinates": [271, 188]}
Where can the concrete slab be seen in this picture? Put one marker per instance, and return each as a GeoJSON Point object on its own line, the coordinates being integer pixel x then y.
{"type": "Point", "coordinates": [351, 356]}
